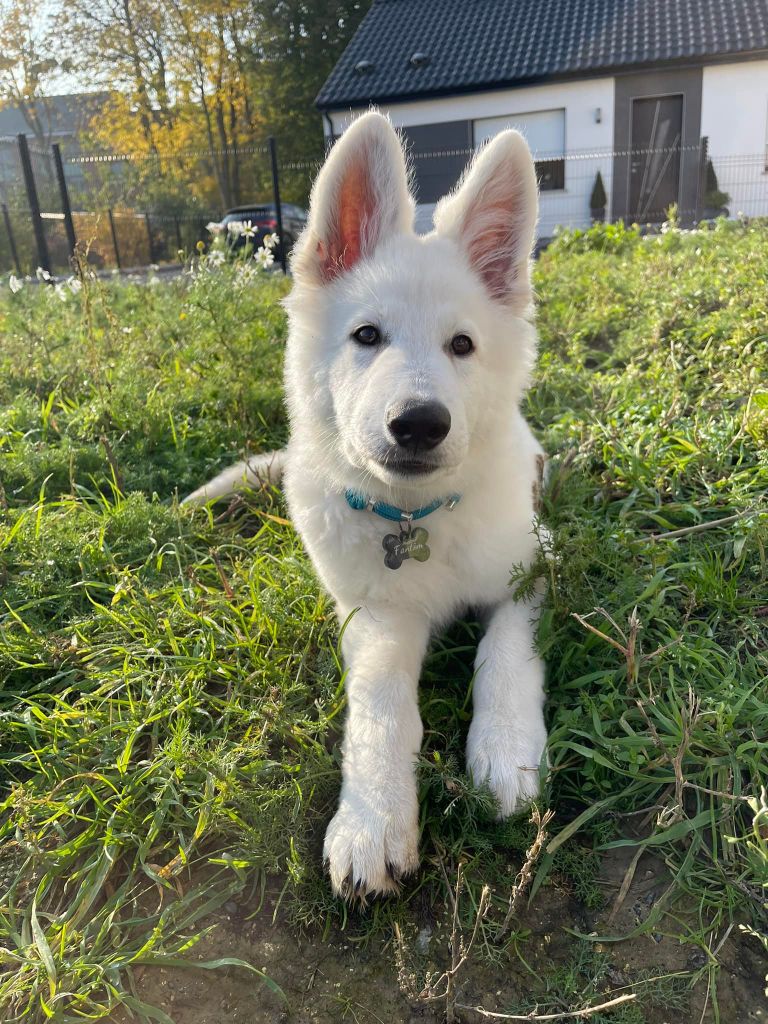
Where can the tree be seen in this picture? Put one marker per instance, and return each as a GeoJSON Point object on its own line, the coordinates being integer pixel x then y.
{"type": "Point", "coordinates": [598, 199]}
{"type": "Point", "coordinates": [215, 76]}
{"type": "Point", "coordinates": [211, 44]}
{"type": "Point", "coordinates": [27, 65]}
{"type": "Point", "coordinates": [122, 45]}
{"type": "Point", "coordinates": [176, 75]}
{"type": "Point", "coordinates": [715, 200]}
{"type": "Point", "coordinates": [302, 40]}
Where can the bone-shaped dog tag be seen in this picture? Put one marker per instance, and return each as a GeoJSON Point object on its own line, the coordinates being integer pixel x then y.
{"type": "Point", "coordinates": [410, 544]}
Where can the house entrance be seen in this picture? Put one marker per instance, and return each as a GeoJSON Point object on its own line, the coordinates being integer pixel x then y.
{"type": "Point", "coordinates": [655, 150]}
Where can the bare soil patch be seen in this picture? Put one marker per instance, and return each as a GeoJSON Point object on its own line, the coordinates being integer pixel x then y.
{"type": "Point", "coordinates": [337, 977]}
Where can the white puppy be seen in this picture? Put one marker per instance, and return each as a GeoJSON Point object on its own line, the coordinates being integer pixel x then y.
{"type": "Point", "coordinates": [407, 358]}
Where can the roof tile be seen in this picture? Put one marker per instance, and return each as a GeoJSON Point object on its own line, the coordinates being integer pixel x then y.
{"type": "Point", "coordinates": [478, 44]}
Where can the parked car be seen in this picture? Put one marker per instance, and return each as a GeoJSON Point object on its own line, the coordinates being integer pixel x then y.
{"type": "Point", "coordinates": [263, 219]}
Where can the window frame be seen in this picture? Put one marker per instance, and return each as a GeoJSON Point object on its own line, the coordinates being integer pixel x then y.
{"type": "Point", "coordinates": [550, 169]}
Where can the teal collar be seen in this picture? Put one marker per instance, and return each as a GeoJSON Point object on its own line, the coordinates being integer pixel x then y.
{"type": "Point", "coordinates": [360, 502]}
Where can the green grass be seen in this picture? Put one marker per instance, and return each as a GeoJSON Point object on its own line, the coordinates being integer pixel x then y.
{"type": "Point", "coordinates": [170, 689]}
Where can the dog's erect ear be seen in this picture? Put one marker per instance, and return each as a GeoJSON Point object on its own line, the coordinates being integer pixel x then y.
{"type": "Point", "coordinates": [359, 199]}
{"type": "Point", "coordinates": [492, 216]}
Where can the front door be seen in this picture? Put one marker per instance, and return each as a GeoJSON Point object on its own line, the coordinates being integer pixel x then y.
{"type": "Point", "coordinates": [654, 172]}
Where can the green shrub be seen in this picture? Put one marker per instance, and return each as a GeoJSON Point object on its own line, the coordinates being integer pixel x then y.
{"type": "Point", "coordinates": [598, 198]}
{"type": "Point", "coordinates": [714, 198]}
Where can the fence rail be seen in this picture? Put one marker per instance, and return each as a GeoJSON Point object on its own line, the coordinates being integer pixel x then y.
{"type": "Point", "coordinates": [135, 209]}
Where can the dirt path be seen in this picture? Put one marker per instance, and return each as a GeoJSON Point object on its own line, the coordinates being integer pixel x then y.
{"type": "Point", "coordinates": [338, 979]}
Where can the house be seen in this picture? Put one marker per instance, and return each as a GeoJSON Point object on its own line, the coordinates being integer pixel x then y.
{"type": "Point", "coordinates": [61, 119]}
{"type": "Point", "coordinates": [645, 92]}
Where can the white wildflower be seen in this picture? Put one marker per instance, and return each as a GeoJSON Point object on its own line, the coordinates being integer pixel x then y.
{"type": "Point", "coordinates": [264, 257]}
{"type": "Point", "coordinates": [42, 275]}
{"type": "Point", "coordinates": [15, 284]}
{"type": "Point", "coordinates": [74, 284]}
{"type": "Point", "coordinates": [247, 230]}
{"type": "Point", "coordinates": [270, 241]}
{"type": "Point", "coordinates": [60, 292]}
{"type": "Point", "coordinates": [215, 258]}
{"type": "Point", "coordinates": [245, 274]}
{"type": "Point", "coordinates": [214, 227]}
{"type": "Point", "coordinates": [235, 227]}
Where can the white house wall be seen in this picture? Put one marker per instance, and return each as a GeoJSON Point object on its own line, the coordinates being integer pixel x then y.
{"type": "Point", "coordinates": [734, 116]}
{"type": "Point", "coordinates": [588, 142]}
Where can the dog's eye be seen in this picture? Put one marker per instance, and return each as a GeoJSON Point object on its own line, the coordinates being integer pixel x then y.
{"type": "Point", "coordinates": [461, 345]}
{"type": "Point", "coordinates": [367, 335]}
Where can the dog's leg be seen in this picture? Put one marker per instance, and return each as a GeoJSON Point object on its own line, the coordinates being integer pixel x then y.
{"type": "Point", "coordinates": [373, 838]}
{"type": "Point", "coordinates": [508, 736]}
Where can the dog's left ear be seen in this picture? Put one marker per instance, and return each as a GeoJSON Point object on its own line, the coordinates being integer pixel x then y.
{"type": "Point", "coordinates": [359, 199]}
{"type": "Point", "coordinates": [492, 216]}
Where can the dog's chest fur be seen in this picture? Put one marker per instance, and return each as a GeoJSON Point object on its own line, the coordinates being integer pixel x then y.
{"type": "Point", "coordinates": [473, 547]}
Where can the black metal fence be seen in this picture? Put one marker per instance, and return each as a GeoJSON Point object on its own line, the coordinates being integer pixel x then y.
{"type": "Point", "coordinates": [134, 210]}
{"type": "Point", "coordinates": [128, 210]}
{"type": "Point", "coordinates": [637, 185]}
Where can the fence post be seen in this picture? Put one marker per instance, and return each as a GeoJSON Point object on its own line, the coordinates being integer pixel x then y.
{"type": "Point", "coordinates": [66, 209]}
{"type": "Point", "coordinates": [34, 203]}
{"type": "Point", "coordinates": [115, 246]}
{"type": "Point", "coordinates": [149, 238]}
{"type": "Point", "coordinates": [179, 246]}
{"type": "Point", "coordinates": [276, 194]}
{"type": "Point", "coordinates": [11, 239]}
{"type": "Point", "coordinates": [701, 185]}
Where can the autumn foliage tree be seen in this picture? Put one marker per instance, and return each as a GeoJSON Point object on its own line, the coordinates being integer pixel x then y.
{"type": "Point", "coordinates": [197, 85]}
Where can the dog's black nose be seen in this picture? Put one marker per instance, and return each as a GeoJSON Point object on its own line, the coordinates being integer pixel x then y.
{"type": "Point", "coordinates": [419, 426]}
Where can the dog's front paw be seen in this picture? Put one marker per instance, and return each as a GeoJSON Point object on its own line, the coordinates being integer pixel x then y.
{"type": "Point", "coordinates": [507, 759]}
{"type": "Point", "coordinates": [369, 848]}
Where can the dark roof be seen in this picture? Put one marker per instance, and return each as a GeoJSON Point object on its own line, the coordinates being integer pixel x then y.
{"type": "Point", "coordinates": [60, 115]}
{"type": "Point", "coordinates": [482, 44]}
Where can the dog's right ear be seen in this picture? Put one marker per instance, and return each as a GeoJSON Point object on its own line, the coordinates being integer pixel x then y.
{"type": "Point", "coordinates": [359, 199]}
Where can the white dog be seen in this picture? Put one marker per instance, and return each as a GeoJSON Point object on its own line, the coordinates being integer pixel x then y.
{"type": "Point", "coordinates": [410, 473]}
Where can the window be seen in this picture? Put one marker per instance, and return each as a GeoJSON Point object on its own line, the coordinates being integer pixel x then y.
{"type": "Point", "coordinates": [545, 132]}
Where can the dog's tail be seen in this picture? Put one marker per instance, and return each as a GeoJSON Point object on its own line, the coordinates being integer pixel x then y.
{"type": "Point", "coordinates": [266, 467]}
